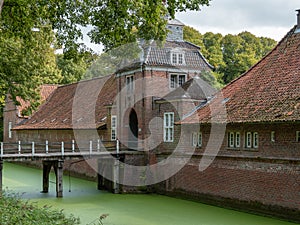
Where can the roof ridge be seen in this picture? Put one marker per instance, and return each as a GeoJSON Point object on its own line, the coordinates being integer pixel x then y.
{"type": "Point", "coordinates": [87, 80]}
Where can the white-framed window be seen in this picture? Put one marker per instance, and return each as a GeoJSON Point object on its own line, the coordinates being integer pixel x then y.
{"type": "Point", "coordinates": [113, 128]}
{"type": "Point", "coordinates": [251, 140]}
{"type": "Point", "coordinates": [9, 130]}
{"type": "Point", "coordinates": [237, 139]}
{"type": "Point", "coordinates": [248, 140]}
{"type": "Point", "coordinates": [231, 139]}
{"type": "Point", "coordinates": [298, 136]}
{"type": "Point", "coordinates": [272, 136]}
{"type": "Point", "coordinates": [197, 139]}
{"type": "Point", "coordinates": [234, 139]}
{"type": "Point", "coordinates": [177, 80]}
{"type": "Point", "coordinates": [255, 140]}
{"type": "Point", "coordinates": [129, 84]}
{"type": "Point", "coordinates": [168, 127]}
{"type": "Point", "coordinates": [177, 58]}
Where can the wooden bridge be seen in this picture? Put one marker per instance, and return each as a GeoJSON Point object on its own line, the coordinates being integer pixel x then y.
{"type": "Point", "coordinates": [53, 155]}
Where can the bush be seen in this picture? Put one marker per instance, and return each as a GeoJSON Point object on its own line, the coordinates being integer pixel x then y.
{"type": "Point", "coordinates": [16, 211]}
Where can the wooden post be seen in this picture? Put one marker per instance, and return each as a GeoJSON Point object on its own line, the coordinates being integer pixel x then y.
{"type": "Point", "coordinates": [32, 149]}
{"type": "Point", "coordinates": [59, 178]}
{"type": "Point", "coordinates": [116, 174]}
{"type": "Point", "coordinates": [2, 149]}
{"type": "Point", "coordinates": [62, 148]}
{"type": "Point", "coordinates": [47, 146]}
{"type": "Point", "coordinates": [91, 147]}
{"type": "Point", "coordinates": [1, 172]}
{"type": "Point", "coordinates": [118, 147]}
{"type": "Point", "coordinates": [73, 146]}
{"type": "Point", "coordinates": [19, 147]}
{"type": "Point", "coordinates": [46, 171]}
{"type": "Point", "coordinates": [98, 145]}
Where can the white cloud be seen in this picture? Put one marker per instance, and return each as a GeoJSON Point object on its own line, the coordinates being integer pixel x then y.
{"type": "Point", "coordinates": [269, 18]}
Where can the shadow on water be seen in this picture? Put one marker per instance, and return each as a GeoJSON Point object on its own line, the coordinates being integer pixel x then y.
{"type": "Point", "coordinates": [86, 202]}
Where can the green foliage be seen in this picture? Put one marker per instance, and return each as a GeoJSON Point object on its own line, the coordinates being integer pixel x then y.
{"type": "Point", "coordinates": [121, 22]}
{"type": "Point", "coordinates": [231, 55]}
{"type": "Point", "coordinates": [15, 211]}
{"type": "Point", "coordinates": [26, 34]}
{"type": "Point", "coordinates": [112, 60]}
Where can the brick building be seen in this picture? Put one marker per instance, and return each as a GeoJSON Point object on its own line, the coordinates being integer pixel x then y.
{"type": "Point", "coordinates": [242, 143]}
{"type": "Point", "coordinates": [257, 164]}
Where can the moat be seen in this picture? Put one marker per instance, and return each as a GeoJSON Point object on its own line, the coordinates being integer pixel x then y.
{"type": "Point", "coordinates": [82, 199]}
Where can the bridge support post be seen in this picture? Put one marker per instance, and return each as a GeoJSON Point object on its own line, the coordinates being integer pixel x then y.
{"type": "Point", "coordinates": [46, 171]}
{"type": "Point", "coordinates": [59, 178]}
{"type": "Point", "coordinates": [1, 172]}
{"type": "Point", "coordinates": [116, 167]}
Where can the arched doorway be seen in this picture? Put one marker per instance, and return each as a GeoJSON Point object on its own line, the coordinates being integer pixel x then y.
{"type": "Point", "coordinates": [133, 130]}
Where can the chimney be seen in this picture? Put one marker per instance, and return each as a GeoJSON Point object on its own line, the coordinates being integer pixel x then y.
{"type": "Point", "coordinates": [298, 19]}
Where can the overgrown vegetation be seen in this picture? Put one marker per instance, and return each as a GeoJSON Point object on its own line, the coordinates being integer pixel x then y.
{"type": "Point", "coordinates": [16, 211]}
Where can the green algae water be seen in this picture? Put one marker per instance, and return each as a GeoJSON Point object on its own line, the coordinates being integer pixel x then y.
{"type": "Point", "coordinates": [83, 200]}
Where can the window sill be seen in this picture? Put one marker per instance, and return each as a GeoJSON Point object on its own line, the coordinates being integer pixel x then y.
{"type": "Point", "coordinates": [243, 149]}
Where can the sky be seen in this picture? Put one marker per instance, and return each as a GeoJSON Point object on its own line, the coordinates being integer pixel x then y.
{"type": "Point", "coordinates": [263, 18]}
{"type": "Point", "coordinates": [267, 18]}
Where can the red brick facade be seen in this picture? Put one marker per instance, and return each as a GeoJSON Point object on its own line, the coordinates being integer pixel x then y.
{"type": "Point", "coordinates": [261, 174]}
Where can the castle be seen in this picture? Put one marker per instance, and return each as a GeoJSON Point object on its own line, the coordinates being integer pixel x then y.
{"type": "Point", "coordinates": [237, 147]}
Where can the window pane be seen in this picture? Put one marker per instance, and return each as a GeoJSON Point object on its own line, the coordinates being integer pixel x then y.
{"type": "Point", "coordinates": [173, 81]}
{"type": "Point", "coordinates": [171, 134]}
{"type": "Point", "coordinates": [166, 120]}
{"type": "Point", "coordinates": [174, 58]}
{"type": "Point", "coordinates": [199, 139]}
{"type": "Point", "coordinates": [113, 121]}
{"type": "Point", "coordinates": [166, 134]}
{"type": "Point", "coordinates": [231, 139]}
{"type": "Point", "coordinates": [255, 139]}
{"type": "Point", "coordinates": [180, 58]}
{"type": "Point", "coordinates": [113, 134]}
{"type": "Point", "coordinates": [171, 119]}
{"type": "Point", "coordinates": [237, 139]}
{"type": "Point", "coordinates": [194, 139]}
{"type": "Point", "coordinates": [181, 80]}
{"type": "Point", "coordinates": [249, 140]}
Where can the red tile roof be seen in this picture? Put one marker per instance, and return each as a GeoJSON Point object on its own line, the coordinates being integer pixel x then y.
{"type": "Point", "coordinates": [59, 111]}
{"type": "Point", "coordinates": [45, 91]}
{"type": "Point", "coordinates": [268, 92]}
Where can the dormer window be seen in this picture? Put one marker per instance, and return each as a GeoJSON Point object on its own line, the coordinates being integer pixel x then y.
{"type": "Point", "coordinates": [177, 58]}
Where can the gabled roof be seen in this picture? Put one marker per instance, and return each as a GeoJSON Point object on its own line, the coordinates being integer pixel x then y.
{"type": "Point", "coordinates": [268, 92]}
{"type": "Point", "coordinates": [57, 112]}
{"type": "Point", "coordinates": [45, 91]}
{"type": "Point", "coordinates": [194, 89]}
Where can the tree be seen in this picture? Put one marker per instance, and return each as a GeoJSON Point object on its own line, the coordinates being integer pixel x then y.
{"type": "Point", "coordinates": [230, 55]}
{"type": "Point", "coordinates": [114, 23]}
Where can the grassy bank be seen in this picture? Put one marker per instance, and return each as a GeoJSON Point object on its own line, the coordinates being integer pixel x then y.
{"type": "Point", "coordinates": [16, 211]}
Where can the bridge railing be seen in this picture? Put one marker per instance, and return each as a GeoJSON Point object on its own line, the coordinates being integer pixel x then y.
{"type": "Point", "coordinates": [71, 147]}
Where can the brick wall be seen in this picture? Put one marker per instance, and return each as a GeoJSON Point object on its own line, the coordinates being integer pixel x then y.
{"type": "Point", "coordinates": [266, 179]}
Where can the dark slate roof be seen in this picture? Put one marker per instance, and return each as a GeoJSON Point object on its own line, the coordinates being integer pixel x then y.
{"type": "Point", "coordinates": [175, 22]}
{"type": "Point", "coordinates": [158, 55]}
{"type": "Point", "coordinates": [268, 92]}
{"type": "Point", "coordinates": [58, 112]}
{"type": "Point", "coordinates": [194, 89]}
